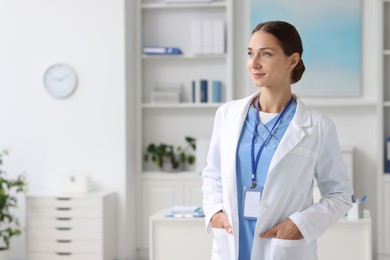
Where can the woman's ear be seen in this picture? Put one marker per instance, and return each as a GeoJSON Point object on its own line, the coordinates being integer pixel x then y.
{"type": "Point", "coordinates": [294, 59]}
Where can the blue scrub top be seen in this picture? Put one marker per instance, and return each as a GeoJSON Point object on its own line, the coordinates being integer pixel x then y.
{"type": "Point", "coordinates": [244, 166]}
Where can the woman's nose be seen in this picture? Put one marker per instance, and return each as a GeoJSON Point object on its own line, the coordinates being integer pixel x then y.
{"type": "Point", "coordinates": [255, 62]}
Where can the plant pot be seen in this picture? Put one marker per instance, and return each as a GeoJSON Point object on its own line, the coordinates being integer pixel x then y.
{"type": "Point", "coordinates": [5, 254]}
{"type": "Point", "coordinates": [167, 165]}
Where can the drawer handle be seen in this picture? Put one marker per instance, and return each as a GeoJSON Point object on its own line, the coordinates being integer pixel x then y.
{"type": "Point", "coordinates": [63, 208]}
{"type": "Point", "coordinates": [64, 219]}
{"type": "Point", "coordinates": [64, 241]}
{"type": "Point", "coordinates": [63, 198]}
{"type": "Point", "coordinates": [64, 253]}
{"type": "Point", "coordinates": [64, 228]}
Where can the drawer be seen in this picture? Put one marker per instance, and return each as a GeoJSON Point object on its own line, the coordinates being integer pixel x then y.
{"type": "Point", "coordinates": [52, 202]}
{"type": "Point", "coordinates": [65, 247]}
{"type": "Point", "coordinates": [64, 256]}
{"type": "Point", "coordinates": [64, 212]}
{"type": "Point", "coordinates": [64, 233]}
{"type": "Point", "coordinates": [54, 222]}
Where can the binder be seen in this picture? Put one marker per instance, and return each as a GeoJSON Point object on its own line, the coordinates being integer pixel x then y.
{"type": "Point", "coordinates": [218, 36]}
{"type": "Point", "coordinates": [159, 50]}
{"type": "Point", "coordinates": [196, 36]}
{"type": "Point", "coordinates": [216, 93]}
{"type": "Point", "coordinates": [207, 36]}
{"type": "Point", "coordinates": [203, 91]}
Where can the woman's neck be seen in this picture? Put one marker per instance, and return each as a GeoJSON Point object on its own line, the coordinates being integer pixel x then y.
{"type": "Point", "coordinates": [273, 102]}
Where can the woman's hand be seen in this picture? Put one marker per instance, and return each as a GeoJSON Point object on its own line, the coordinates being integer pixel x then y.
{"type": "Point", "coordinates": [284, 230]}
{"type": "Point", "coordinates": [220, 220]}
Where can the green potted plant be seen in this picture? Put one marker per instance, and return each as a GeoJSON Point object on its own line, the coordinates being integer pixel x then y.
{"type": "Point", "coordinates": [170, 158]}
{"type": "Point", "coordinates": [9, 223]}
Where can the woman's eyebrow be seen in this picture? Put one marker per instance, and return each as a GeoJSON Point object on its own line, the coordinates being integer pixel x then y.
{"type": "Point", "coordinates": [261, 49]}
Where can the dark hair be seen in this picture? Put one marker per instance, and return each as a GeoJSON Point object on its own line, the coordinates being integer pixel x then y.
{"type": "Point", "coordinates": [289, 40]}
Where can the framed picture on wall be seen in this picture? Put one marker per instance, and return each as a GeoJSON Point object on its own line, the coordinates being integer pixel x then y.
{"type": "Point", "coordinates": [331, 36]}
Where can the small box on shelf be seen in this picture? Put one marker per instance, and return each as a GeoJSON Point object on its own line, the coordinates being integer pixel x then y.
{"type": "Point", "coordinates": [166, 92]}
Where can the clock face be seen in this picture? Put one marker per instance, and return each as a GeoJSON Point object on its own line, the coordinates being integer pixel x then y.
{"type": "Point", "coordinates": [60, 80]}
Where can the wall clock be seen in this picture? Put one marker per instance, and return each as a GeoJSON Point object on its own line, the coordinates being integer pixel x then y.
{"type": "Point", "coordinates": [60, 80]}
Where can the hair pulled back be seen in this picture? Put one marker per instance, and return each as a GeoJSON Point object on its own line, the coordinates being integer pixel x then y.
{"type": "Point", "coordinates": [289, 40]}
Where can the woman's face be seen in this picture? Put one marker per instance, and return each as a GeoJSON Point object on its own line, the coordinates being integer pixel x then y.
{"type": "Point", "coordinates": [268, 65]}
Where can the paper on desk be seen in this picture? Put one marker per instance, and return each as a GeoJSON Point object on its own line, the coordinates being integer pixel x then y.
{"type": "Point", "coordinates": [185, 211]}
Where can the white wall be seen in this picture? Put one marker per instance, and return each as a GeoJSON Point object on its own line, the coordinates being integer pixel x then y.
{"type": "Point", "coordinates": [86, 131]}
{"type": "Point", "coordinates": [356, 125]}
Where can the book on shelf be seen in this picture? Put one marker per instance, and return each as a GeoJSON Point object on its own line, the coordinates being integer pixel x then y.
{"type": "Point", "coordinates": [161, 50]}
{"type": "Point", "coordinates": [216, 91]}
{"type": "Point", "coordinates": [203, 91]}
{"type": "Point", "coordinates": [206, 91]}
{"type": "Point", "coordinates": [185, 212]}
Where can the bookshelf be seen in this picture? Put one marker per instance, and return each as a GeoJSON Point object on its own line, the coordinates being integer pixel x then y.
{"type": "Point", "coordinates": [169, 24]}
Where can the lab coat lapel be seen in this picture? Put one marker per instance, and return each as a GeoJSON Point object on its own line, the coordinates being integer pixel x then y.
{"type": "Point", "coordinates": [237, 116]}
{"type": "Point", "coordinates": [293, 135]}
{"type": "Point", "coordinates": [234, 128]}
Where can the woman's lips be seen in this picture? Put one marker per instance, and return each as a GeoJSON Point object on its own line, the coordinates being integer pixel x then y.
{"type": "Point", "coordinates": [258, 75]}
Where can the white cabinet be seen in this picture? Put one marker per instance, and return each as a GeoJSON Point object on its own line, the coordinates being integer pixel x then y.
{"type": "Point", "coordinates": [72, 227]}
{"type": "Point", "coordinates": [159, 191]}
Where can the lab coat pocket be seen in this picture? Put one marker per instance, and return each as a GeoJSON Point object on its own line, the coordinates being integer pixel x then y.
{"type": "Point", "coordinates": [281, 249]}
{"type": "Point", "coordinates": [222, 245]}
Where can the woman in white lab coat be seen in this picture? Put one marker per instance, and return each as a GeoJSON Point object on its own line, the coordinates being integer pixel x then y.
{"type": "Point", "coordinates": [266, 151]}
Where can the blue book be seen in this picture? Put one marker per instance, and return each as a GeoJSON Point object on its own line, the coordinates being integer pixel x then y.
{"type": "Point", "coordinates": [160, 50]}
{"type": "Point", "coordinates": [217, 85]}
{"type": "Point", "coordinates": [203, 91]}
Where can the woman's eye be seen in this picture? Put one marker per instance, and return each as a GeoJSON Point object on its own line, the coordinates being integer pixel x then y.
{"type": "Point", "coordinates": [266, 54]}
{"type": "Point", "coordinates": [251, 54]}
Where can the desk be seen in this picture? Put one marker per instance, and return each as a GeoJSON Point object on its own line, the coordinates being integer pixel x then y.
{"type": "Point", "coordinates": [186, 238]}
{"type": "Point", "coordinates": [178, 238]}
{"type": "Point", "coordinates": [348, 239]}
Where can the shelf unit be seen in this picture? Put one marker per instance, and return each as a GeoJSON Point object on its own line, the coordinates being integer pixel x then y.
{"type": "Point", "coordinates": [384, 113]}
{"type": "Point", "coordinates": [169, 24]}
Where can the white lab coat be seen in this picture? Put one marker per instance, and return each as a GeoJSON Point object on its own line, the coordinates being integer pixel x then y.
{"type": "Point", "coordinates": [308, 150]}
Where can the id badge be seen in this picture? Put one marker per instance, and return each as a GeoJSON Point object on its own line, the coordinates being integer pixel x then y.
{"type": "Point", "coordinates": [251, 202]}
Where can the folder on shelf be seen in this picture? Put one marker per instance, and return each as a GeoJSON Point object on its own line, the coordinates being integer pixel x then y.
{"type": "Point", "coordinates": [207, 36]}
{"type": "Point", "coordinates": [160, 50]}
{"type": "Point", "coordinates": [203, 91]}
{"type": "Point", "coordinates": [196, 36]}
{"type": "Point", "coordinates": [185, 212]}
{"type": "Point", "coordinates": [218, 36]}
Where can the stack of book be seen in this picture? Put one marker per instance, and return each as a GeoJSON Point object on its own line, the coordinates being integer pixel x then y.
{"type": "Point", "coordinates": [166, 92]}
{"type": "Point", "coordinates": [185, 212]}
